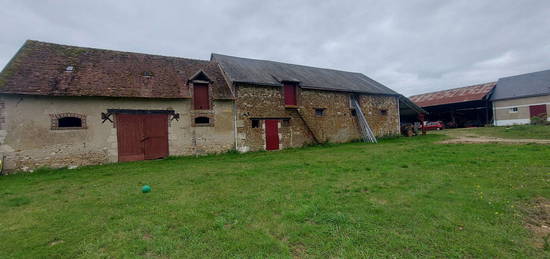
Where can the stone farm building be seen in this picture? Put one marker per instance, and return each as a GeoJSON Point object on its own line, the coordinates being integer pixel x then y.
{"type": "Point", "coordinates": [63, 105]}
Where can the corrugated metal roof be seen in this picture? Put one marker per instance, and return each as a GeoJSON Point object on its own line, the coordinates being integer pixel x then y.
{"type": "Point", "coordinates": [264, 72]}
{"type": "Point", "coordinates": [456, 95]}
{"type": "Point", "coordinates": [525, 85]}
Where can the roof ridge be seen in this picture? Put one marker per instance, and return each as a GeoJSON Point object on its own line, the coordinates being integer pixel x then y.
{"type": "Point", "coordinates": [285, 63]}
{"type": "Point", "coordinates": [456, 88]}
{"type": "Point", "coordinates": [526, 74]}
{"type": "Point", "coordinates": [111, 50]}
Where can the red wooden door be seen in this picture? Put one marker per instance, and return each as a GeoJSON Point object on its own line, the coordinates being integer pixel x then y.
{"type": "Point", "coordinates": [155, 140]}
{"type": "Point", "coordinates": [290, 95]}
{"type": "Point", "coordinates": [142, 136]}
{"type": "Point", "coordinates": [537, 110]}
{"type": "Point", "coordinates": [271, 134]}
{"type": "Point", "coordinates": [129, 136]}
{"type": "Point", "coordinates": [200, 97]}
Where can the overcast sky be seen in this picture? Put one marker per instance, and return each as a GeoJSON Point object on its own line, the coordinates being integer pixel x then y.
{"type": "Point", "coordinates": [410, 46]}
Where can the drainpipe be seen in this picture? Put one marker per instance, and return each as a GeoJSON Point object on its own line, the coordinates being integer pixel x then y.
{"type": "Point", "coordinates": [398, 117]}
{"type": "Point", "coordinates": [494, 114]}
{"type": "Point", "coordinates": [235, 123]}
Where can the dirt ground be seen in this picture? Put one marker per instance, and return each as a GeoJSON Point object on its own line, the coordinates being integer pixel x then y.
{"type": "Point", "coordinates": [538, 221]}
{"type": "Point", "coordinates": [465, 137]}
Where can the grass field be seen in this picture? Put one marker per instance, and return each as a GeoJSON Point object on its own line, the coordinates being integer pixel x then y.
{"type": "Point", "coordinates": [404, 197]}
{"type": "Point", "coordinates": [511, 132]}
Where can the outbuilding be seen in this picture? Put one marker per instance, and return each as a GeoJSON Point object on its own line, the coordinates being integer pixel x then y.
{"type": "Point", "coordinates": [518, 99]}
{"type": "Point", "coordinates": [458, 107]}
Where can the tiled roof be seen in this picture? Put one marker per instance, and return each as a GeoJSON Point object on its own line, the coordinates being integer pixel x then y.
{"type": "Point", "coordinates": [40, 68]}
{"type": "Point", "coordinates": [456, 95]}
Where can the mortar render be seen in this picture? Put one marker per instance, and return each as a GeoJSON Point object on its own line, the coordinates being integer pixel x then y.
{"type": "Point", "coordinates": [504, 116]}
{"type": "Point", "coordinates": [28, 141]}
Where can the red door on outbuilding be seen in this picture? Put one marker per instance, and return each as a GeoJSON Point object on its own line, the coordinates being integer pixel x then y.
{"type": "Point", "coordinates": [142, 136]}
{"type": "Point", "coordinates": [538, 111]}
{"type": "Point", "coordinates": [200, 97]}
{"type": "Point", "coordinates": [271, 134]}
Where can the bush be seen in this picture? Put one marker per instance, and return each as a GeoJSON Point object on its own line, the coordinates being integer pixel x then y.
{"type": "Point", "coordinates": [536, 120]}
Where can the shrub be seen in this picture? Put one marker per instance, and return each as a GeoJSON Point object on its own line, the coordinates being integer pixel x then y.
{"type": "Point", "coordinates": [536, 120]}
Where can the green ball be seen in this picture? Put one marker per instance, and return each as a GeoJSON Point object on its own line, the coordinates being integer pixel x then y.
{"type": "Point", "coordinates": [145, 189]}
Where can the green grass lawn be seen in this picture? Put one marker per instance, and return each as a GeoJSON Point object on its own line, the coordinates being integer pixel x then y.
{"type": "Point", "coordinates": [403, 197]}
{"type": "Point", "coordinates": [512, 132]}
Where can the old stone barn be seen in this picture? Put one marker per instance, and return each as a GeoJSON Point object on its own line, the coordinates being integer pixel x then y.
{"type": "Point", "coordinates": [64, 105]}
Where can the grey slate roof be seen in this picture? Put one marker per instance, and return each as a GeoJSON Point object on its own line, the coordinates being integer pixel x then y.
{"type": "Point", "coordinates": [525, 85]}
{"type": "Point", "coordinates": [264, 72]}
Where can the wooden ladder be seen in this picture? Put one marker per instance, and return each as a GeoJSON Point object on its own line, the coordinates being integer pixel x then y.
{"type": "Point", "coordinates": [366, 131]}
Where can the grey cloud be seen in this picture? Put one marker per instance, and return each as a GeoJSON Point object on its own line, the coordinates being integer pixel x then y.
{"type": "Point", "coordinates": [411, 46]}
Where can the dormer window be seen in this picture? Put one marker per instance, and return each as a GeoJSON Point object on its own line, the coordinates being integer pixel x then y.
{"type": "Point", "coordinates": [201, 93]}
{"type": "Point", "coordinates": [201, 100]}
{"type": "Point", "coordinates": [69, 69]}
{"type": "Point", "coordinates": [147, 74]}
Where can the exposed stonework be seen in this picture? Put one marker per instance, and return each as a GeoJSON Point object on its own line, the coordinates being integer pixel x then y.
{"type": "Point", "coordinates": [337, 124]}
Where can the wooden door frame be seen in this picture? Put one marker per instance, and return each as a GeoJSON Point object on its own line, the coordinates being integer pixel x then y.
{"type": "Point", "coordinates": [276, 121]}
{"type": "Point", "coordinates": [116, 112]}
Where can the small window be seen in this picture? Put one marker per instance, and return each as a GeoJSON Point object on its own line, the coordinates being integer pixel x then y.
{"type": "Point", "coordinates": [514, 110]}
{"type": "Point", "coordinates": [353, 112]}
{"type": "Point", "coordinates": [69, 69]}
{"type": "Point", "coordinates": [384, 112]}
{"type": "Point", "coordinates": [147, 74]}
{"type": "Point", "coordinates": [202, 120]}
{"type": "Point", "coordinates": [255, 123]}
{"type": "Point", "coordinates": [69, 122]}
{"type": "Point", "coordinates": [319, 111]}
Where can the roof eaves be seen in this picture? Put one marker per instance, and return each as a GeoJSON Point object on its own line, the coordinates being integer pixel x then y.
{"type": "Point", "coordinates": [521, 96]}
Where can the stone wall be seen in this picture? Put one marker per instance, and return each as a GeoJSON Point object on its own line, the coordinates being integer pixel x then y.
{"type": "Point", "coordinates": [337, 124]}
{"type": "Point", "coordinates": [27, 139]}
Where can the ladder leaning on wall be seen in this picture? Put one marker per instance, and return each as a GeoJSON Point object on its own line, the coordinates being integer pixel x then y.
{"type": "Point", "coordinates": [366, 132]}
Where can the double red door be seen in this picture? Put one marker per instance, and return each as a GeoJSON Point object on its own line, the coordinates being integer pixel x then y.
{"type": "Point", "coordinates": [142, 136]}
{"type": "Point", "coordinates": [271, 134]}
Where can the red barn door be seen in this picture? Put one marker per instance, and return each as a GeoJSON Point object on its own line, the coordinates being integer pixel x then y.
{"type": "Point", "coordinates": [271, 134]}
{"type": "Point", "coordinates": [142, 136]}
{"type": "Point", "coordinates": [537, 110]}
{"type": "Point", "coordinates": [129, 135]}
{"type": "Point", "coordinates": [155, 129]}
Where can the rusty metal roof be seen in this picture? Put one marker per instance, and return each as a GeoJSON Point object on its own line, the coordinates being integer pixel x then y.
{"type": "Point", "coordinates": [456, 95]}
